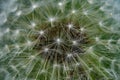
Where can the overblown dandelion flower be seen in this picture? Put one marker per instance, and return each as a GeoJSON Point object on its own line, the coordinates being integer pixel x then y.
{"type": "Point", "coordinates": [59, 40]}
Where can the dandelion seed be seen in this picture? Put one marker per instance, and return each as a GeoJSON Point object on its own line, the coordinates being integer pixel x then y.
{"type": "Point", "coordinates": [77, 64]}
{"type": "Point", "coordinates": [102, 8]}
{"type": "Point", "coordinates": [32, 57]}
{"type": "Point", "coordinates": [60, 4]}
{"type": "Point", "coordinates": [58, 40]}
{"type": "Point", "coordinates": [14, 9]}
{"type": "Point", "coordinates": [101, 23]}
{"type": "Point", "coordinates": [7, 30]}
{"type": "Point", "coordinates": [19, 13]}
{"type": "Point", "coordinates": [24, 66]}
{"type": "Point", "coordinates": [73, 11]}
{"type": "Point", "coordinates": [85, 13]}
{"type": "Point", "coordinates": [69, 55]}
{"type": "Point", "coordinates": [52, 19]}
{"type": "Point", "coordinates": [90, 49]}
{"type": "Point", "coordinates": [90, 1]}
{"type": "Point", "coordinates": [43, 71]}
{"type": "Point", "coordinates": [3, 18]}
{"type": "Point", "coordinates": [118, 41]}
{"type": "Point", "coordinates": [90, 69]}
{"type": "Point", "coordinates": [16, 32]}
{"type": "Point", "coordinates": [46, 49]}
{"type": "Point", "coordinates": [109, 41]}
{"type": "Point", "coordinates": [74, 42]}
{"type": "Point", "coordinates": [17, 46]}
{"type": "Point", "coordinates": [33, 24]}
{"type": "Point", "coordinates": [82, 29]}
{"type": "Point", "coordinates": [34, 6]}
{"type": "Point", "coordinates": [97, 39]}
{"type": "Point", "coordinates": [66, 68]}
{"type": "Point", "coordinates": [41, 32]}
{"type": "Point", "coordinates": [70, 26]}
{"type": "Point", "coordinates": [29, 43]}
{"type": "Point", "coordinates": [56, 65]}
{"type": "Point", "coordinates": [101, 58]}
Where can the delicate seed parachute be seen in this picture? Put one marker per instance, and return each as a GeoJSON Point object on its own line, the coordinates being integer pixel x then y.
{"type": "Point", "coordinates": [59, 40]}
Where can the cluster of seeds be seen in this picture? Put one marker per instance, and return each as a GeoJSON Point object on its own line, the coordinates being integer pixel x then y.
{"type": "Point", "coordinates": [59, 40]}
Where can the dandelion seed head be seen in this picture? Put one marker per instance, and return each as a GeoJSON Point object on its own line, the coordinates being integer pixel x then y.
{"type": "Point", "coordinates": [70, 36]}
